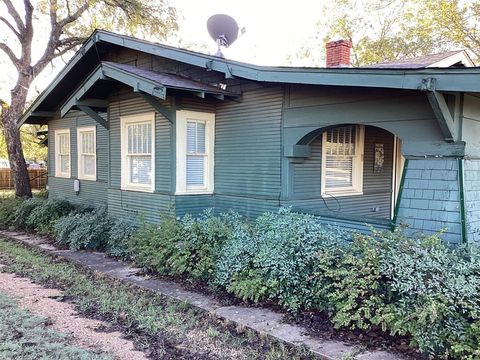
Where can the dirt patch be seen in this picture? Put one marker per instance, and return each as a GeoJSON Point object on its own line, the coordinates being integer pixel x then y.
{"type": "Point", "coordinates": [63, 317]}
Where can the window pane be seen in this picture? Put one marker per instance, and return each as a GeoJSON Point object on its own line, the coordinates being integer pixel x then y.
{"type": "Point", "coordinates": [341, 141]}
{"type": "Point", "coordinates": [191, 137]}
{"type": "Point", "coordinates": [195, 169]}
{"type": "Point", "coordinates": [339, 172]}
{"type": "Point", "coordinates": [89, 165]}
{"type": "Point", "coordinates": [87, 142]}
{"type": "Point", "coordinates": [139, 138]}
{"type": "Point", "coordinates": [140, 169]}
{"type": "Point", "coordinates": [64, 163]}
{"type": "Point", "coordinates": [201, 138]}
{"type": "Point", "coordinates": [64, 144]}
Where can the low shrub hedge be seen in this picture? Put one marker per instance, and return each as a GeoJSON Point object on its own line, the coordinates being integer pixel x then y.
{"type": "Point", "coordinates": [414, 286]}
{"type": "Point", "coordinates": [43, 217]}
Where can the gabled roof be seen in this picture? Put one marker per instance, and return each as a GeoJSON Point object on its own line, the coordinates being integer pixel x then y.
{"type": "Point", "coordinates": [88, 57]}
{"type": "Point", "coordinates": [457, 58]}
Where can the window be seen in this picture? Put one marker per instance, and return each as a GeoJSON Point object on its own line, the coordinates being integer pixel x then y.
{"type": "Point", "coordinates": [138, 148]}
{"type": "Point", "coordinates": [195, 152]}
{"type": "Point", "coordinates": [342, 161]}
{"type": "Point", "coordinates": [62, 153]}
{"type": "Point", "coordinates": [87, 157]}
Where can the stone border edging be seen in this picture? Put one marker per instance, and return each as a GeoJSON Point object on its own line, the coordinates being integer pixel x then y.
{"type": "Point", "coordinates": [261, 320]}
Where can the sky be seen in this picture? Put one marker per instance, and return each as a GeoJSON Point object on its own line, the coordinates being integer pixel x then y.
{"type": "Point", "coordinates": [274, 30]}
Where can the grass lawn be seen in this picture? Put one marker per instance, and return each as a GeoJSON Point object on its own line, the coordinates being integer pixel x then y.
{"type": "Point", "coordinates": [25, 337]}
{"type": "Point", "coordinates": [161, 327]}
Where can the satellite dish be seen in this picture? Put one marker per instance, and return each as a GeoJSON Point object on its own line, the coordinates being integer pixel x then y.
{"type": "Point", "coordinates": [224, 31]}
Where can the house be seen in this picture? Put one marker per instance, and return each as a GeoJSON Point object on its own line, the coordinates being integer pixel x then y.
{"type": "Point", "coordinates": [146, 128]}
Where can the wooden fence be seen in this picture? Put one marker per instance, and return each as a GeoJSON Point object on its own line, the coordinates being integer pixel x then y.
{"type": "Point", "coordinates": [38, 179]}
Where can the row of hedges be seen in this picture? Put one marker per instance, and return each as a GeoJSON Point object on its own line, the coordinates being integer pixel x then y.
{"type": "Point", "coordinates": [410, 286]}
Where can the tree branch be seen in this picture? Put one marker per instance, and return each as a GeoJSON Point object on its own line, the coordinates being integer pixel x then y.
{"type": "Point", "coordinates": [14, 14]}
{"type": "Point", "coordinates": [71, 18]}
{"type": "Point", "coordinates": [27, 34]}
{"type": "Point", "coordinates": [53, 12]}
{"type": "Point", "coordinates": [11, 27]}
{"type": "Point", "coordinates": [16, 61]}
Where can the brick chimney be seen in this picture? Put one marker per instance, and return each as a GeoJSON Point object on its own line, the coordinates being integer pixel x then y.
{"type": "Point", "coordinates": [338, 53]}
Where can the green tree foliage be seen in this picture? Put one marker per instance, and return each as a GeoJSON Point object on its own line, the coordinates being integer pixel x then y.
{"type": "Point", "coordinates": [33, 150]}
{"type": "Point", "coordinates": [386, 30]}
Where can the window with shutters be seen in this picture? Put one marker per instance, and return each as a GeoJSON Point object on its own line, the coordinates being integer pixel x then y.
{"type": "Point", "coordinates": [87, 154]}
{"type": "Point", "coordinates": [62, 153]}
{"type": "Point", "coordinates": [195, 142]}
{"type": "Point", "coordinates": [342, 161]}
{"type": "Point", "coordinates": [138, 152]}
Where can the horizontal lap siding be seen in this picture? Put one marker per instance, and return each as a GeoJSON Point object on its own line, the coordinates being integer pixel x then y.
{"type": "Point", "coordinates": [377, 187]}
{"type": "Point", "coordinates": [137, 206]}
{"type": "Point", "coordinates": [91, 192]}
{"type": "Point", "coordinates": [193, 204]}
{"type": "Point", "coordinates": [396, 111]}
{"type": "Point", "coordinates": [247, 146]}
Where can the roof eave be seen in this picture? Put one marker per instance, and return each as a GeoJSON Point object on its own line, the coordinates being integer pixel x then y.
{"type": "Point", "coordinates": [446, 79]}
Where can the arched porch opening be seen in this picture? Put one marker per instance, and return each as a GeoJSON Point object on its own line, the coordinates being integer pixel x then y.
{"type": "Point", "coordinates": [348, 170]}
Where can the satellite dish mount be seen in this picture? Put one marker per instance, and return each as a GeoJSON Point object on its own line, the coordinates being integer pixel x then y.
{"type": "Point", "coordinates": [223, 29]}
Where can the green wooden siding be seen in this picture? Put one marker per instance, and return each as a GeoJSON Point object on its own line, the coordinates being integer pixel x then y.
{"type": "Point", "coordinates": [377, 187]}
{"type": "Point", "coordinates": [309, 107]}
{"type": "Point", "coordinates": [137, 206]}
{"type": "Point", "coordinates": [132, 204]}
{"type": "Point", "coordinates": [90, 191]}
{"type": "Point", "coordinates": [248, 145]}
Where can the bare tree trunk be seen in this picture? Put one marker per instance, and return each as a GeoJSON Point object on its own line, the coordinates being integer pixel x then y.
{"type": "Point", "coordinates": [9, 119]}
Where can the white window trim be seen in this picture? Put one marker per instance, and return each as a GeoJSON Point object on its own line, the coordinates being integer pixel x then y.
{"type": "Point", "coordinates": [182, 116]}
{"type": "Point", "coordinates": [58, 172]}
{"type": "Point", "coordinates": [135, 119]}
{"type": "Point", "coordinates": [81, 174]}
{"type": "Point", "coordinates": [357, 188]}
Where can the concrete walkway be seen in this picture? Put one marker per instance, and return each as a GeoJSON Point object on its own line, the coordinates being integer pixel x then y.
{"type": "Point", "coordinates": [264, 321]}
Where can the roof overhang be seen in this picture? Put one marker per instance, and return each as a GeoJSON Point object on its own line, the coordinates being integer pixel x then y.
{"type": "Point", "coordinates": [445, 80]}
{"type": "Point", "coordinates": [461, 57]}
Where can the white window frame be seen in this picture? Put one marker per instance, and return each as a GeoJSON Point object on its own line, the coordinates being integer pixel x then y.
{"type": "Point", "coordinates": [81, 172]}
{"type": "Point", "coordinates": [58, 170]}
{"type": "Point", "coordinates": [182, 117]}
{"type": "Point", "coordinates": [357, 171]}
{"type": "Point", "coordinates": [125, 169]}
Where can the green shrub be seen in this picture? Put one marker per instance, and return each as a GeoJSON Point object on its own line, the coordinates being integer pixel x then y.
{"type": "Point", "coordinates": [42, 218]}
{"type": "Point", "coordinates": [154, 247]}
{"type": "Point", "coordinates": [349, 280]}
{"type": "Point", "coordinates": [88, 230]}
{"type": "Point", "coordinates": [23, 212]}
{"type": "Point", "coordinates": [436, 295]}
{"type": "Point", "coordinates": [200, 244]}
{"type": "Point", "coordinates": [8, 208]}
{"type": "Point", "coordinates": [119, 238]}
{"type": "Point", "coordinates": [236, 254]}
{"type": "Point", "coordinates": [276, 259]}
